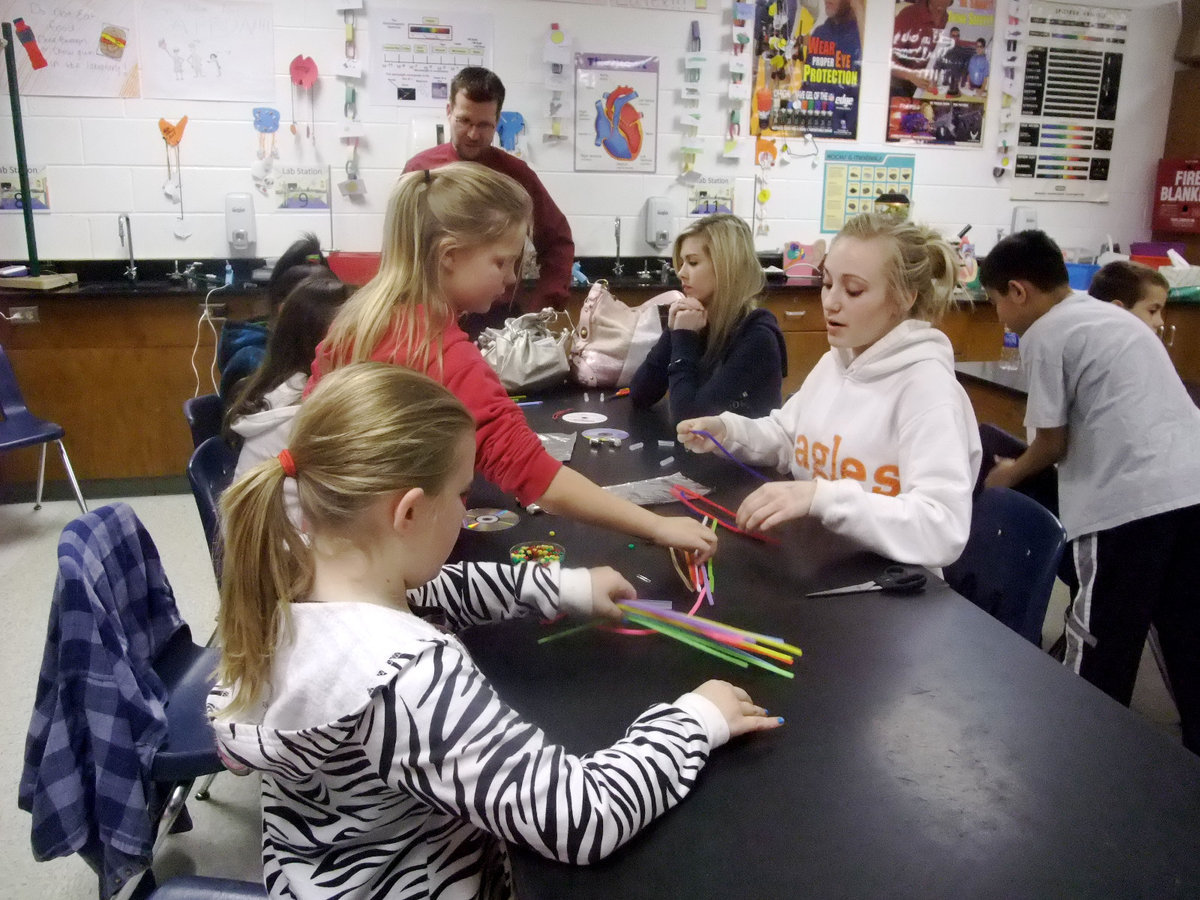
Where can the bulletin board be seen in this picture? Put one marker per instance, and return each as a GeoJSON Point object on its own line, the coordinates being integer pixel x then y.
{"type": "Point", "coordinates": [415, 53]}
{"type": "Point", "coordinates": [616, 112]}
{"type": "Point", "coordinates": [84, 49]}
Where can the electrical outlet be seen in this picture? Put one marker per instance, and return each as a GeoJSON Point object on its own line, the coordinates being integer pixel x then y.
{"type": "Point", "coordinates": [23, 315]}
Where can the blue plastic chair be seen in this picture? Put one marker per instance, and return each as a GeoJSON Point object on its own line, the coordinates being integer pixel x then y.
{"type": "Point", "coordinates": [210, 471]}
{"type": "Point", "coordinates": [21, 428]}
{"type": "Point", "coordinates": [204, 415]}
{"type": "Point", "coordinates": [1010, 561]}
{"type": "Point", "coordinates": [1042, 487]}
{"type": "Point", "coordinates": [116, 640]}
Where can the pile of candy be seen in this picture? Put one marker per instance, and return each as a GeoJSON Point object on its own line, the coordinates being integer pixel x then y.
{"type": "Point", "coordinates": [543, 553]}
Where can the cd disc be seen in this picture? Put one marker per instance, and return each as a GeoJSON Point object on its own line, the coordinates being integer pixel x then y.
{"type": "Point", "coordinates": [484, 519]}
{"type": "Point", "coordinates": [606, 434]}
{"type": "Point", "coordinates": [584, 418]}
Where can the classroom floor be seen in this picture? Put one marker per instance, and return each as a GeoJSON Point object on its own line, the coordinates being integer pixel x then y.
{"type": "Point", "coordinates": [225, 839]}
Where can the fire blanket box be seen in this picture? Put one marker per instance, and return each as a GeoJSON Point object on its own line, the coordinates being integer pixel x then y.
{"type": "Point", "coordinates": [1177, 196]}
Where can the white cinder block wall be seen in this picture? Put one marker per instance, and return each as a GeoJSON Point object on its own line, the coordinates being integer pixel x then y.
{"type": "Point", "coordinates": [105, 156]}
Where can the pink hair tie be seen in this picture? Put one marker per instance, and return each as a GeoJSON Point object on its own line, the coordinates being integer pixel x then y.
{"type": "Point", "coordinates": [288, 464]}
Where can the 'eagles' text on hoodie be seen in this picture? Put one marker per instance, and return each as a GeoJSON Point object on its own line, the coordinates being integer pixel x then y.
{"type": "Point", "coordinates": [891, 440]}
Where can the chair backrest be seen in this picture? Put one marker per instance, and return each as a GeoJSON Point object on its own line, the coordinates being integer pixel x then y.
{"type": "Point", "coordinates": [210, 471]}
{"type": "Point", "coordinates": [204, 416]}
{"type": "Point", "coordinates": [12, 403]}
{"type": "Point", "coordinates": [1042, 487]}
{"type": "Point", "coordinates": [1010, 561]}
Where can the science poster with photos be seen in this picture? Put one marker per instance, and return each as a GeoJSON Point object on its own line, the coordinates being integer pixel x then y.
{"type": "Point", "coordinates": [940, 64]}
{"type": "Point", "coordinates": [807, 67]}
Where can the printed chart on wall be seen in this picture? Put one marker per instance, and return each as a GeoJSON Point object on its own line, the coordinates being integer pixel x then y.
{"type": "Point", "coordinates": [616, 112]}
{"type": "Point", "coordinates": [941, 56]}
{"type": "Point", "coordinates": [82, 49]}
{"type": "Point", "coordinates": [1073, 57]}
{"type": "Point", "coordinates": [206, 49]}
{"type": "Point", "coordinates": [855, 179]}
{"type": "Point", "coordinates": [806, 70]}
{"type": "Point", "coordinates": [415, 53]}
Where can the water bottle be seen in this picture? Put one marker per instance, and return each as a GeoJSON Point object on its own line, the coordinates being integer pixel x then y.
{"type": "Point", "coordinates": [1010, 353]}
{"type": "Point", "coordinates": [228, 274]}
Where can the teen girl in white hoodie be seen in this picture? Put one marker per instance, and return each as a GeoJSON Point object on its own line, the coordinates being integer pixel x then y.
{"type": "Point", "coordinates": [880, 439]}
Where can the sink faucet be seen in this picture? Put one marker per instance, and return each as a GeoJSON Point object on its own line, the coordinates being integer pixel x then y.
{"type": "Point", "coordinates": [617, 267]}
{"type": "Point", "coordinates": [125, 230]}
{"type": "Point", "coordinates": [664, 272]}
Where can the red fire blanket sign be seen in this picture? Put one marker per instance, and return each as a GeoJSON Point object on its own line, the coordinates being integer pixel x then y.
{"type": "Point", "coordinates": [1177, 196]}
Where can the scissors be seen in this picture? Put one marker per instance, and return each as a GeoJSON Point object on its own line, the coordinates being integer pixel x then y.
{"type": "Point", "coordinates": [893, 580]}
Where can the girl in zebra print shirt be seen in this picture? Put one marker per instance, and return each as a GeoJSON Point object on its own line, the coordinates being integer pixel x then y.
{"type": "Point", "coordinates": [390, 767]}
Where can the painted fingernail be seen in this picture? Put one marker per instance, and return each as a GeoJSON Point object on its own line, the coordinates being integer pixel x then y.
{"type": "Point", "coordinates": [781, 720]}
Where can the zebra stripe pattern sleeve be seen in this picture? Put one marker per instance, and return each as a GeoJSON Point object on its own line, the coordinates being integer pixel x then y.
{"type": "Point", "coordinates": [473, 593]}
{"type": "Point", "coordinates": [439, 732]}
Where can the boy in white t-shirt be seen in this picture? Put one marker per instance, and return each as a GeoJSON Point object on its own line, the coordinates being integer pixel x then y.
{"type": "Point", "coordinates": [1109, 408]}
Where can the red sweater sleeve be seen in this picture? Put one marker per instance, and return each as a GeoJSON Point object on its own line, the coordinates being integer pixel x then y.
{"type": "Point", "coordinates": [507, 451]}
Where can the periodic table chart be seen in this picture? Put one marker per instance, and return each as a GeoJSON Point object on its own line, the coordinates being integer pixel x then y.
{"type": "Point", "coordinates": [854, 179]}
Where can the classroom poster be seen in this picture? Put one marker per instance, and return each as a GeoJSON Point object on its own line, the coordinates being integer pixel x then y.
{"type": "Point", "coordinates": [10, 188]}
{"type": "Point", "coordinates": [1073, 57]}
{"type": "Point", "coordinates": [807, 70]}
{"type": "Point", "coordinates": [82, 49]}
{"type": "Point", "coordinates": [853, 179]}
{"type": "Point", "coordinates": [940, 65]}
{"type": "Point", "coordinates": [414, 54]}
{"type": "Point", "coordinates": [206, 49]}
{"type": "Point", "coordinates": [616, 112]}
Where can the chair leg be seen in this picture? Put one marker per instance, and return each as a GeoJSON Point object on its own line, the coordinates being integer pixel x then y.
{"type": "Point", "coordinates": [70, 474]}
{"type": "Point", "coordinates": [37, 504]}
{"type": "Point", "coordinates": [203, 794]}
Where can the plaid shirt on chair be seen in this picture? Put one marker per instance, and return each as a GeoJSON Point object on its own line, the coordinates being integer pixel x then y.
{"type": "Point", "coordinates": [98, 715]}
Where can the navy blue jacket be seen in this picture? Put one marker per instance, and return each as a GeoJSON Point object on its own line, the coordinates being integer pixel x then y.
{"type": "Point", "coordinates": [747, 379]}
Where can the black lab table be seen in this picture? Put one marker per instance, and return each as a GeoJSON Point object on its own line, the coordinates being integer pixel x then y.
{"type": "Point", "coordinates": [928, 751]}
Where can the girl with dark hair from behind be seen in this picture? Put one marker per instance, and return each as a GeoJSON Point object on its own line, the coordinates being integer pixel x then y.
{"type": "Point", "coordinates": [259, 419]}
{"type": "Point", "coordinates": [243, 344]}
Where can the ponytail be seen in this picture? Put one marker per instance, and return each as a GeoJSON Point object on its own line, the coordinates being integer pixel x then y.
{"type": "Point", "coordinates": [265, 566]}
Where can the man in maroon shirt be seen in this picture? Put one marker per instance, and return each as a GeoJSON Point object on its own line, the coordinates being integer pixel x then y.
{"type": "Point", "coordinates": [476, 96]}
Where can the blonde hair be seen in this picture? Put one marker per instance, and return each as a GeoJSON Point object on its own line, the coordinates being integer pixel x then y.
{"type": "Point", "coordinates": [462, 204]}
{"type": "Point", "coordinates": [921, 263]}
{"type": "Point", "coordinates": [730, 246]}
{"type": "Point", "coordinates": [367, 430]}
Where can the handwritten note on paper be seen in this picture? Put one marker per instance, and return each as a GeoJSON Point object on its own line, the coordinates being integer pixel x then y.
{"type": "Point", "coordinates": [88, 46]}
{"type": "Point", "coordinates": [206, 50]}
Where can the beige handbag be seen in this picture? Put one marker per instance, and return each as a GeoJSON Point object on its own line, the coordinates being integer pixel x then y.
{"type": "Point", "coordinates": [526, 353]}
{"type": "Point", "coordinates": [613, 339]}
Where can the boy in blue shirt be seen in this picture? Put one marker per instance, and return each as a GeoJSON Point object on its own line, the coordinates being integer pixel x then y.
{"type": "Point", "coordinates": [1108, 407]}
